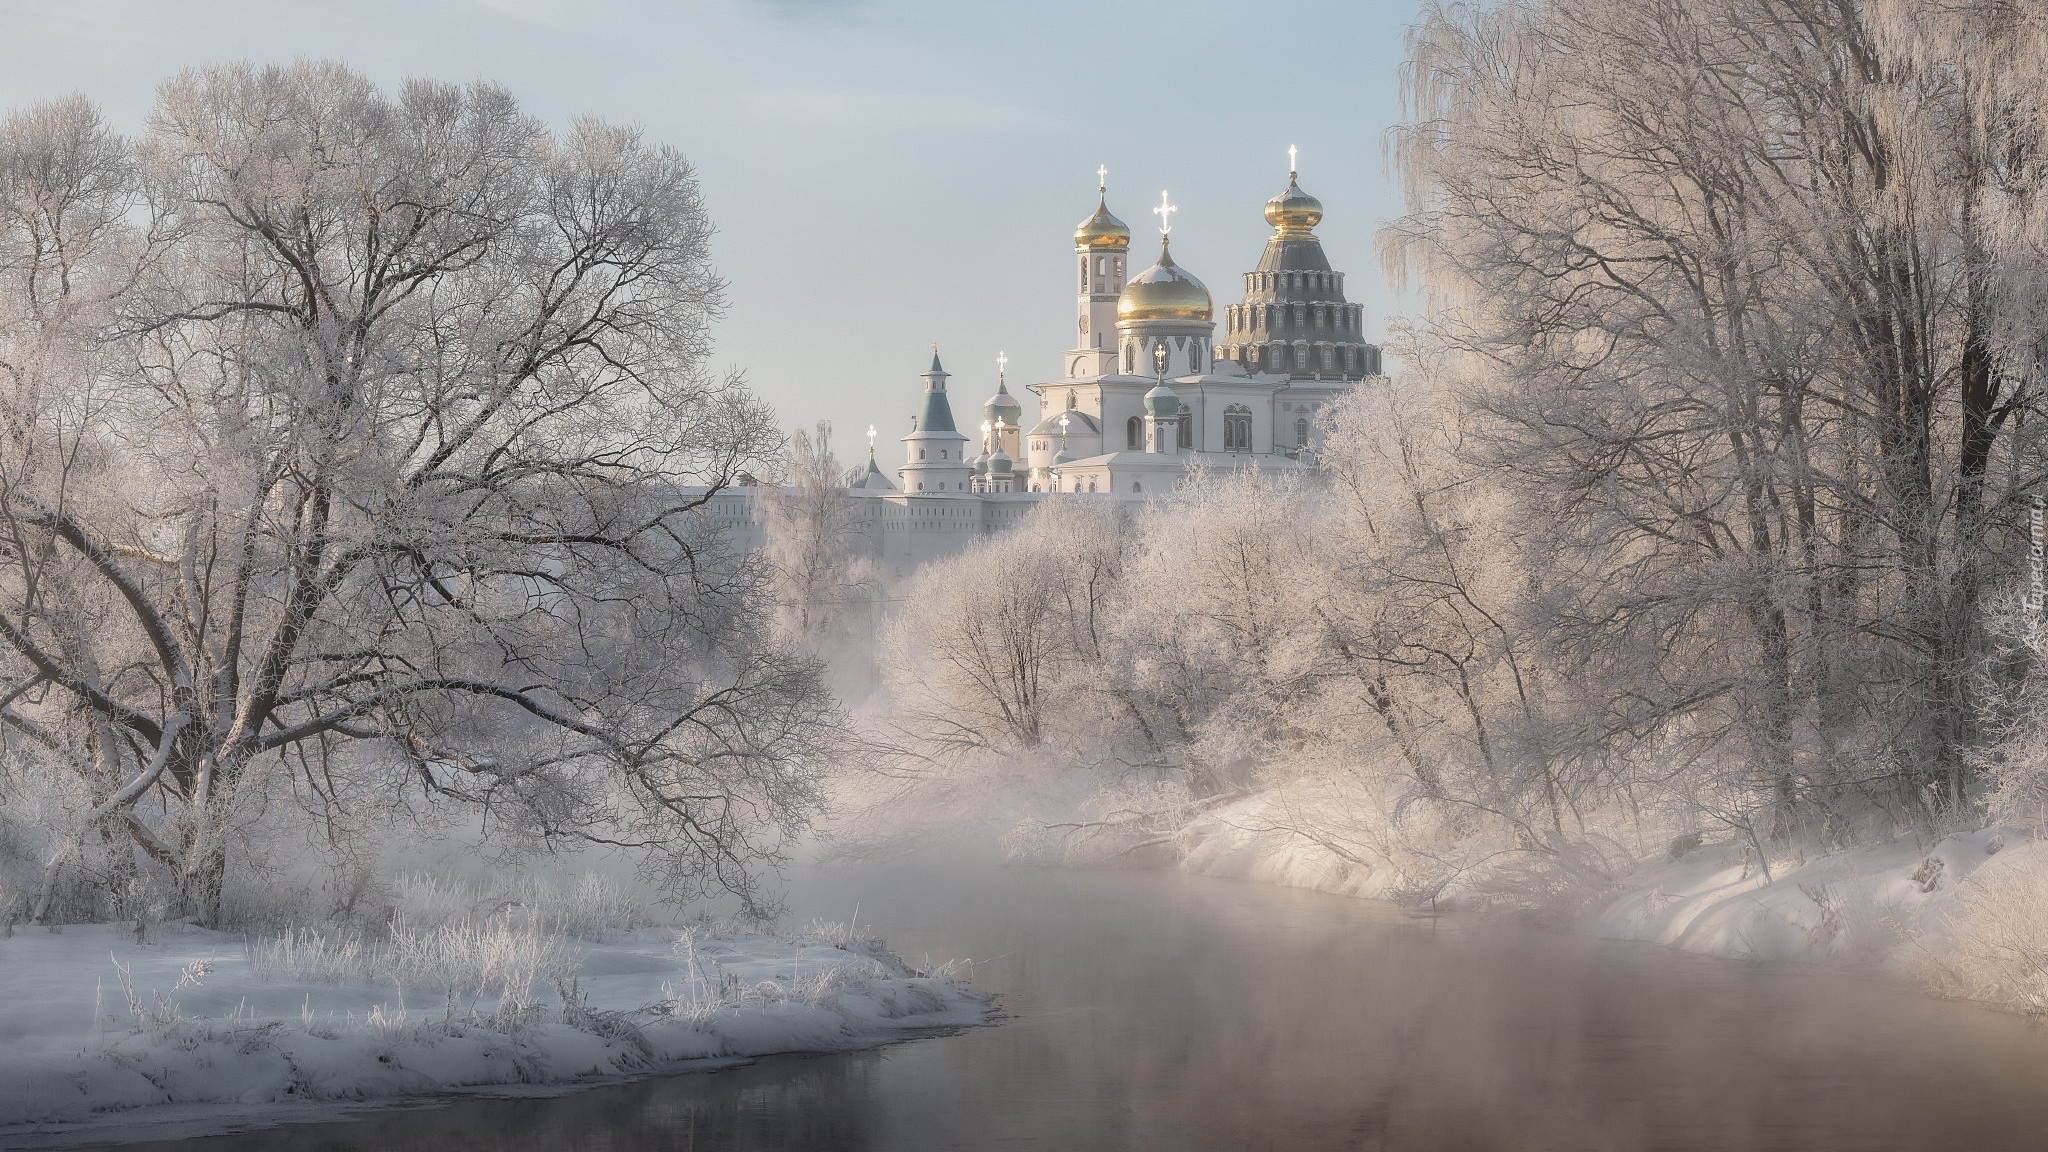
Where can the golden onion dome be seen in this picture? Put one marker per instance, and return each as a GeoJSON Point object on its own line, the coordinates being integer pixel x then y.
{"type": "Point", "coordinates": [1164, 292]}
{"type": "Point", "coordinates": [1294, 212]}
{"type": "Point", "coordinates": [1102, 230]}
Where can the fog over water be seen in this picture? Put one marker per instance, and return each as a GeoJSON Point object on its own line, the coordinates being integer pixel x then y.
{"type": "Point", "coordinates": [1155, 1010]}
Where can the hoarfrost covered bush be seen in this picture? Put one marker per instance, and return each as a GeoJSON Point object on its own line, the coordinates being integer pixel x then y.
{"type": "Point", "coordinates": [1351, 646]}
{"type": "Point", "coordinates": [1993, 945]}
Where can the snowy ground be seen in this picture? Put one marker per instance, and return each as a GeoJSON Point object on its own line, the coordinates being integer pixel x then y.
{"type": "Point", "coordinates": [1860, 905]}
{"type": "Point", "coordinates": [204, 1035]}
{"type": "Point", "coordinates": [1884, 904]}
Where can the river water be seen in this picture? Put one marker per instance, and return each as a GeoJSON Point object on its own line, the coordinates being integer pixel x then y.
{"type": "Point", "coordinates": [1159, 1011]}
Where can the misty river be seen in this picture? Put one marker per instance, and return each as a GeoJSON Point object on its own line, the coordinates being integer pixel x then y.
{"type": "Point", "coordinates": [1160, 1011]}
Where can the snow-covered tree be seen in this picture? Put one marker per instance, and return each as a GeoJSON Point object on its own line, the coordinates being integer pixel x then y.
{"type": "Point", "coordinates": [1001, 650]}
{"type": "Point", "coordinates": [346, 434]}
{"type": "Point", "coordinates": [828, 585]}
{"type": "Point", "coordinates": [1724, 270]}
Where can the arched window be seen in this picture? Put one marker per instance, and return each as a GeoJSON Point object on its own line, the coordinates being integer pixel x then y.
{"type": "Point", "coordinates": [1137, 485]}
{"type": "Point", "coordinates": [1237, 428]}
{"type": "Point", "coordinates": [1070, 399]}
{"type": "Point", "coordinates": [1084, 273]}
{"type": "Point", "coordinates": [1301, 433]}
{"type": "Point", "coordinates": [1130, 357]}
{"type": "Point", "coordinates": [1091, 483]}
{"type": "Point", "coordinates": [920, 455]}
{"type": "Point", "coordinates": [1195, 358]}
{"type": "Point", "coordinates": [1134, 432]}
{"type": "Point", "coordinates": [1187, 431]}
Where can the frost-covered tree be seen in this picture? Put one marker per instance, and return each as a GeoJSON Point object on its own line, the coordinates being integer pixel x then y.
{"type": "Point", "coordinates": [828, 586]}
{"type": "Point", "coordinates": [346, 435]}
{"type": "Point", "coordinates": [1003, 650]}
{"type": "Point", "coordinates": [1724, 269]}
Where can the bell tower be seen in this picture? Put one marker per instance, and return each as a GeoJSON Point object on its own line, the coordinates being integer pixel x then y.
{"type": "Point", "coordinates": [1102, 250]}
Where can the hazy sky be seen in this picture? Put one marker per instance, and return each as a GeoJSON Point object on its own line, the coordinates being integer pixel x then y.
{"type": "Point", "coordinates": [884, 173]}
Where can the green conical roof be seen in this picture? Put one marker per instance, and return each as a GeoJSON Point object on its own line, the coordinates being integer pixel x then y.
{"type": "Point", "coordinates": [938, 414]}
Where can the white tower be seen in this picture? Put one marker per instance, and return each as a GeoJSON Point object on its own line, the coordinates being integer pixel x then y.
{"type": "Point", "coordinates": [1102, 246]}
{"type": "Point", "coordinates": [934, 454]}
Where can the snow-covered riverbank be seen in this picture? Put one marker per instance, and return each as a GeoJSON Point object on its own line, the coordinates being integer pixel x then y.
{"type": "Point", "coordinates": [1860, 905]}
{"type": "Point", "coordinates": [104, 1034]}
{"type": "Point", "coordinates": [1914, 906]}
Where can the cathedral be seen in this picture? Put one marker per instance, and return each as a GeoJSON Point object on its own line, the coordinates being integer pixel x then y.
{"type": "Point", "coordinates": [1149, 388]}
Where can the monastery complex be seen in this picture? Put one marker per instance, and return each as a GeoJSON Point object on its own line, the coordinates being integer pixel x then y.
{"type": "Point", "coordinates": [1149, 389]}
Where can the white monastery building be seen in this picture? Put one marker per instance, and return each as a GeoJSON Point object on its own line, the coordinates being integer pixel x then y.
{"type": "Point", "coordinates": [1149, 388]}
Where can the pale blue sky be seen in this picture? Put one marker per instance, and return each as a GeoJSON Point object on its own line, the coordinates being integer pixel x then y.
{"type": "Point", "coordinates": [884, 173]}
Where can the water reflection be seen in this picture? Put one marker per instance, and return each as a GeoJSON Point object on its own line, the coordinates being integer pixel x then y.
{"type": "Point", "coordinates": [1155, 1011]}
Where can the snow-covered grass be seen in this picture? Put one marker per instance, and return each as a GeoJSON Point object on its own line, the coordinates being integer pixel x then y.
{"type": "Point", "coordinates": [504, 959]}
{"type": "Point", "coordinates": [459, 990]}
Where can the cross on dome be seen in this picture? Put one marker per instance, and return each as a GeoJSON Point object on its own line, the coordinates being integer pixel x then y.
{"type": "Point", "coordinates": [1102, 178]}
{"type": "Point", "coordinates": [1002, 362]}
{"type": "Point", "coordinates": [1165, 213]}
{"type": "Point", "coordinates": [1290, 162]}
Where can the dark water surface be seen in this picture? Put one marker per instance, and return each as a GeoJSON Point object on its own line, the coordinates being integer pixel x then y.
{"type": "Point", "coordinates": [1156, 1011]}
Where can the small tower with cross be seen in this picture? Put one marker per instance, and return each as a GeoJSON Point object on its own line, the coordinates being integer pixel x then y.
{"type": "Point", "coordinates": [1003, 416]}
{"type": "Point", "coordinates": [1102, 249]}
{"type": "Point", "coordinates": [935, 452]}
